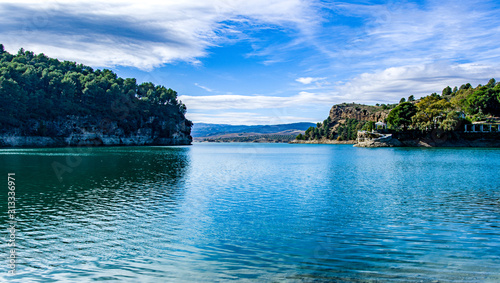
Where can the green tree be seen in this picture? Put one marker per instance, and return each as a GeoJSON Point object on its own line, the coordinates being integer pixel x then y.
{"type": "Point", "coordinates": [316, 133]}
{"type": "Point", "coordinates": [309, 133]}
{"type": "Point", "coordinates": [491, 83]}
{"type": "Point", "coordinates": [431, 110]}
{"type": "Point", "coordinates": [402, 100]}
{"type": "Point", "coordinates": [452, 121]}
{"type": "Point", "coordinates": [402, 114]}
{"type": "Point", "coordinates": [37, 88]}
{"type": "Point", "coordinates": [411, 98]}
{"type": "Point", "coordinates": [485, 100]}
{"type": "Point", "coordinates": [465, 86]}
{"type": "Point", "coordinates": [446, 91]}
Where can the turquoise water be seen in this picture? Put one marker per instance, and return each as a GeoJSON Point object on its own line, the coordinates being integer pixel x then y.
{"type": "Point", "coordinates": [261, 212]}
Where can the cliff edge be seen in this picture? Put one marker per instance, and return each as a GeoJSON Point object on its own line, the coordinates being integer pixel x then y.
{"type": "Point", "coordinates": [88, 131]}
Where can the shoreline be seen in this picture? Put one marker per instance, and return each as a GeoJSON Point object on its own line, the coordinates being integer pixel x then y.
{"type": "Point", "coordinates": [89, 140]}
{"type": "Point", "coordinates": [433, 139]}
{"type": "Point", "coordinates": [322, 141]}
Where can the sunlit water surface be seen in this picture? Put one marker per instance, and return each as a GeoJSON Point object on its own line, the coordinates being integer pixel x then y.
{"type": "Point", "coordinates": [260, 212]}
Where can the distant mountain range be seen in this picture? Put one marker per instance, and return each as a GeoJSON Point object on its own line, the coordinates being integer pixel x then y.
{"type": "Point", "coordinates": [204, 131]}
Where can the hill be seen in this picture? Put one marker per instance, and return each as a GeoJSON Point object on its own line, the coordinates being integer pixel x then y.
{"type": "Point", "coordinates": [243, 133]}
{"type": "Point", "coordinates": [47, 102]}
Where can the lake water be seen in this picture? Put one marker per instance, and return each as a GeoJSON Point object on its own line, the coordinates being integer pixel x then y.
{"type": "Point", "coordinates": [260, 212]}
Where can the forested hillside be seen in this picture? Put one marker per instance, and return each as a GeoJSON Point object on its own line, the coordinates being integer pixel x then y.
{"type": "Point", "coordinates": [448, 111]}
{"type": "Point", "coordinates": [37, 93]}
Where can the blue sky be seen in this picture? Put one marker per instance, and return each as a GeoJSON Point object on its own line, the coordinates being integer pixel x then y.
{"type": "Point", "coordinates": [272, 61]}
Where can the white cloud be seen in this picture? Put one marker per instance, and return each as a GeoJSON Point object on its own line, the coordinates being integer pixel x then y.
{"type": "Point", "coordinates": [213, 102]}
{"type": "Point", "coordinates": [402, 33]}
{"type": "Point", "coordinates": [142, 34]}
{"type": "Point", "coordinates": [384, 86]}
{"type": "Point", "coordinates": [245, 118]}
{"type": "Point", "coordinates": [391, 84]}
{"type": "Point", "coordinates": [308, 80]}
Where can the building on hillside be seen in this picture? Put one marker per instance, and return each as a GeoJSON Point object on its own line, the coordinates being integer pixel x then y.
{"type": "Point", "coordinates": [380, 126]}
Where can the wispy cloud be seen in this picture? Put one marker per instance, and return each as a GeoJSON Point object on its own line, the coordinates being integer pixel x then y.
{"type": "Point", "coordinates": [142, 34]}
{"type": "Point", "coordinates": [403, 49]}
{"type": "Point", "coordinates": [246, 118]}
{"type": "Point", "coordinates": [385, 86]}
{"type": "Point", "coordinates": [391, 84]}
{"type": "Point", "coordinates": [404, 33]}
{"type": "Point", "coordinates": [204, 87]}
{"type": "Point", "coordinates": [213, 102]}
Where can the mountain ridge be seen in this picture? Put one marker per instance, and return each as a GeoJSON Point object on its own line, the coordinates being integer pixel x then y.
{"type": "Point", "coordinates": [205, 130]}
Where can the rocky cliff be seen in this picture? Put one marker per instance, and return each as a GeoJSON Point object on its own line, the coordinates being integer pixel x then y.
{"type": "Point", "coordinates": [372, 139]}
{"type": "Point", "coordinates": [89, 131]}
{"type": "Point", "coordinates": [343, 122]}
{"type": "Point", "coordinates": [341, 112]}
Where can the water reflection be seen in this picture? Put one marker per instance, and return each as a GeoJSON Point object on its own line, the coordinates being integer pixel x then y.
{"type": "Point", "coordinates": [410, 215]}
{"type": "Point", "coordinates": [267, 212]}
{"type": "Point", "coordinates": [103, 208]}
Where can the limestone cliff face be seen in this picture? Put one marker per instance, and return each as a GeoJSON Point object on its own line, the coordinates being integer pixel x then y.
{"type": "Point", "coordinates": [341, 112]}
{"type": "Point", "coordinates": [88, 131]}
{"type": "Point", "coordinates": [358, 112]}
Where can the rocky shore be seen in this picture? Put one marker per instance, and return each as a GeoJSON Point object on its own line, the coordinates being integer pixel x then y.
{"type": "Point", "coordinates": [433, 139]}
{"type": "Point", "coordinates": [86, 131]}
{"type": "Point", "coordinates": [321, 141]}
{"type": "Point", "coordinates": [87, 140]}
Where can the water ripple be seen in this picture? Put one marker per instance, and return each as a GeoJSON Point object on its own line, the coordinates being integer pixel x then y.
{"type": "Point", "coordinates": [263, 213]}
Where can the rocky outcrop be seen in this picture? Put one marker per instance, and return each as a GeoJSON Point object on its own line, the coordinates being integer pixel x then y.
{"type": "Point", "coordinates": [370, 139]}
{"type": "Point", "coordinates": [358, 112]}
{"type": "Point", "coordinates": [87, 131]}
{"type": "Point", "coordinates": [341, 112]}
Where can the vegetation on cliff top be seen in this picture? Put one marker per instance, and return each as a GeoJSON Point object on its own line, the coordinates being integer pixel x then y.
{"type": "Point", "coordinates": [38, 88]}
{"type": "Point", "coordinates": [448, 112]}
